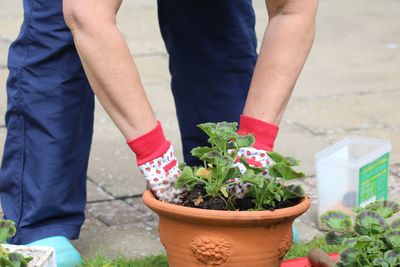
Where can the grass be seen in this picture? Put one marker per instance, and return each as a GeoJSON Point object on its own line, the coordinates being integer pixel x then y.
{"type": "Point", "coordinates": [297, 251]}
{"type": "Point", "coordinates": [152, 261]}
{"type": "Point", "coordinates": [302, 250]}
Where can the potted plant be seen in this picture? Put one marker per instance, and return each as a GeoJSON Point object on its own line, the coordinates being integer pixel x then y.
{"type": "Point", "coordinates": [371, 239]}
{"type": "Point", "coordinates": [22, 256]}
{"type": "Point", "coordinates": [212, 227]}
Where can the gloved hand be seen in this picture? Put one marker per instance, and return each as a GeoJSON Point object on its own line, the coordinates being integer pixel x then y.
{"type": "Point", "coordinates": [264, 134]}
{"type": "Point", "coordinates": [158, 164]}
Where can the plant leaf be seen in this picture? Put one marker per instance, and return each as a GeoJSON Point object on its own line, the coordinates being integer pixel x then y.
{"type": "Point", "coordinates": [187, 178]}
{"type": "Point", "coordinates": [199, 152]}
{"type": "Point", "coordinates": [224, 191]}
{"type": "Point", "coordinates": [384, 208]}
{"type": "Point", "coordinates": [18, 260]}
{"type": "Point", "coordinates": [222, 129]}
{"type": "Point", "coordinates": [245, 141]}
{"type": "Point", "coordinates": [396, 224]}
{"type": "Point", "coordinates": [380, 262]}
{"type": "Point", "coordinates": [349, 242]}
{"type": "Point", "coordinates": [284, 171]}
{"type": "Point", "coordinates": [334, 238]}
{"type": "Point", "coordinates": [278, 158]}
{"type": "Point", "coordinates": [336, 220]}
{"type": "Point", "coordinates": [250, 177]}
{"type": "Point", "coordinates": [288, 161]}
{"type": "Point", "coordinates": [370, 222]}
{"type": "Point", "coordinates": [393, 238]}
{"type": "Point", "coordinates": [7, 230]}
{"type": "Point", "coordinates": [349, 256]}
{"type": "Point", "coordinates": [217, 159]}
{"type": "Point", "coordinates": [293, 191]}
{"type": "Point", "coordinates": [392, 257]}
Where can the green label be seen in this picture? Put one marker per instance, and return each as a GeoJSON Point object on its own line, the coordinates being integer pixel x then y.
{"type": "Point", "coordinates": [373, 181]}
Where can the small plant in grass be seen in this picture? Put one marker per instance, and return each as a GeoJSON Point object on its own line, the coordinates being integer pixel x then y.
{"type": "Point", "coordinates": [7, 259]}
{"type": "Point", "coordinates": [207, 186]}
{"type": "Point", "coordinates": [370, 240]}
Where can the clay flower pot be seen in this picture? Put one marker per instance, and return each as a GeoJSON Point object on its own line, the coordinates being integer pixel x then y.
{"type": "Point", "coordinates": [198, 237]}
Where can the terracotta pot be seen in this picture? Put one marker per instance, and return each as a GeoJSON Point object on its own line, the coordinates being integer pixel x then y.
{"type": "Point", "coordinates": [197, 237]}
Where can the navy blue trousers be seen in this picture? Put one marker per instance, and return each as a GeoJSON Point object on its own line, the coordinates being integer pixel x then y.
{"type": "Point", "coordinates": [49, 119]}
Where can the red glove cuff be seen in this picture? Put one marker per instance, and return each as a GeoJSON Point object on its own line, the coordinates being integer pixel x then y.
{"type": "Point", "coordinates": [264, 133]}
{"type": "Point", "coordinates": [149, 146]}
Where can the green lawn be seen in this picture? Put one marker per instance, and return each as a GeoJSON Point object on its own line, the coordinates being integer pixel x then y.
{"type": "Point", "coordinates": [297, 251]}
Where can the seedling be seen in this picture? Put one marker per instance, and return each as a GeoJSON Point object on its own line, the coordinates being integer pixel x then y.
{"type": "Point", "coordinates": [220, 171]}
{"type": "Point", "coordinates": [370, 240]}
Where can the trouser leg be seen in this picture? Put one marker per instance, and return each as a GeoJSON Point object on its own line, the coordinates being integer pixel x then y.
{"type": "Point", "coordinates": [212, 51]}
{"type": "Point", "coordinates": [49, 123]}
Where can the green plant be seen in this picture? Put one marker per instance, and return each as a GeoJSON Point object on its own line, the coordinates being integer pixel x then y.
{"type": "Point", "coordinates": [220, 171]}
{"type": "Point", "coordinates": [370, 240]}
{"type": "Point", "coordinates": [7, 259]}
{"type": "Point", "coordinates": [270, 192]}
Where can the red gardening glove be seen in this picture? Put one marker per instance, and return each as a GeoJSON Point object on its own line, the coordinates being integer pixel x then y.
{"type": "Point", "coordinates": [264, 134]}
{"type": "Point", "coordinates": [158, 164]}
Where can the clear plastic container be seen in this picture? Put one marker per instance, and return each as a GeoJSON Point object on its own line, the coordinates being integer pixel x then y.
{"type": "Point", "coordinates": [352, 173]}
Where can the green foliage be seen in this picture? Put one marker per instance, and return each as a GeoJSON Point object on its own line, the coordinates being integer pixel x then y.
{"type": "Point", "coordinates": [7, 230]}
{"type": "Point", "coordinates": [370, 240]}
{"type": "Point", "coordinates": [151, 261]}
{"type": "Point", "coordinates": [219, 169]}
{"type": "Point", "coordinates": [283, 167]}
{"type": "Point", "coordinates": [303, 249]}
{"type": "Point", "coordinates": [336, 221]}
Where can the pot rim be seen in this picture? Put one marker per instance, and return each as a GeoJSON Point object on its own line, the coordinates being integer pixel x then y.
{"type": "Point", "coordinates": [182, 212]}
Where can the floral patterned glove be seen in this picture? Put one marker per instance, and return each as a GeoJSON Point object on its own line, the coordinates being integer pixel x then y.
{"type": "Point", "coordinates": [158, 164]}
{"type": "Point", "coordinates": [264, 134]}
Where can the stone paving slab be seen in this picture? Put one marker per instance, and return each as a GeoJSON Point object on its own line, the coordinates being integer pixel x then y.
{"type": "Point", "coordinates": [114, 241]}
{"type": "Point", "coordinates": [95, 193]}
{"type": "Point", "coordinates": [3, 94]}
{"type": "Point", "coordinates": [4, 45]}
{"type": "Point", "coordinates": [305, 148]}
{"type": "Point", "coordinates": [118, 212]}
{"type": "Point", "coordinates": [116, 227]}
{"type": "Point", "coordinates": [355, 51]}
{"type": "Point", "coordinates": [373, 111]}
{"type": "Point", "coordinates": [147, 64]}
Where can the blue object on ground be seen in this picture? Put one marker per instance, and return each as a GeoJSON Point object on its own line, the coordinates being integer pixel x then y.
{"type": "Point", "coordinates": [66, 253]}
{"type": "Point", "coordinates": [295, 234]}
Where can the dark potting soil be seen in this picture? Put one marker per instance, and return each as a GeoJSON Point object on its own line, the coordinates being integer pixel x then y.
{"type": "Point", "coordinates": [285, 204]}
{"type": "Point", "coordinates": [245, 203]}
{"type": "Point", "coordinates": [197, 198]}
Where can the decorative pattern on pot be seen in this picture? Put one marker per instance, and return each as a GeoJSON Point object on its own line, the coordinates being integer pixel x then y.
{"type": "Point", "coordinates": [285, 245]}
{"type": "Point", "coordinates": [210, 250]}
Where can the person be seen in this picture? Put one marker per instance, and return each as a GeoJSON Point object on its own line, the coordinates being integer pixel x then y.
{"type": "Point", "coordinates": [66, 50]}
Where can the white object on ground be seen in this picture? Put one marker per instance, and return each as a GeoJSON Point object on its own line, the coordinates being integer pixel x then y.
{"type": "Point", "coordinates": [352, 173]}
{"type": "Point", "coordinates": [42, 256]}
